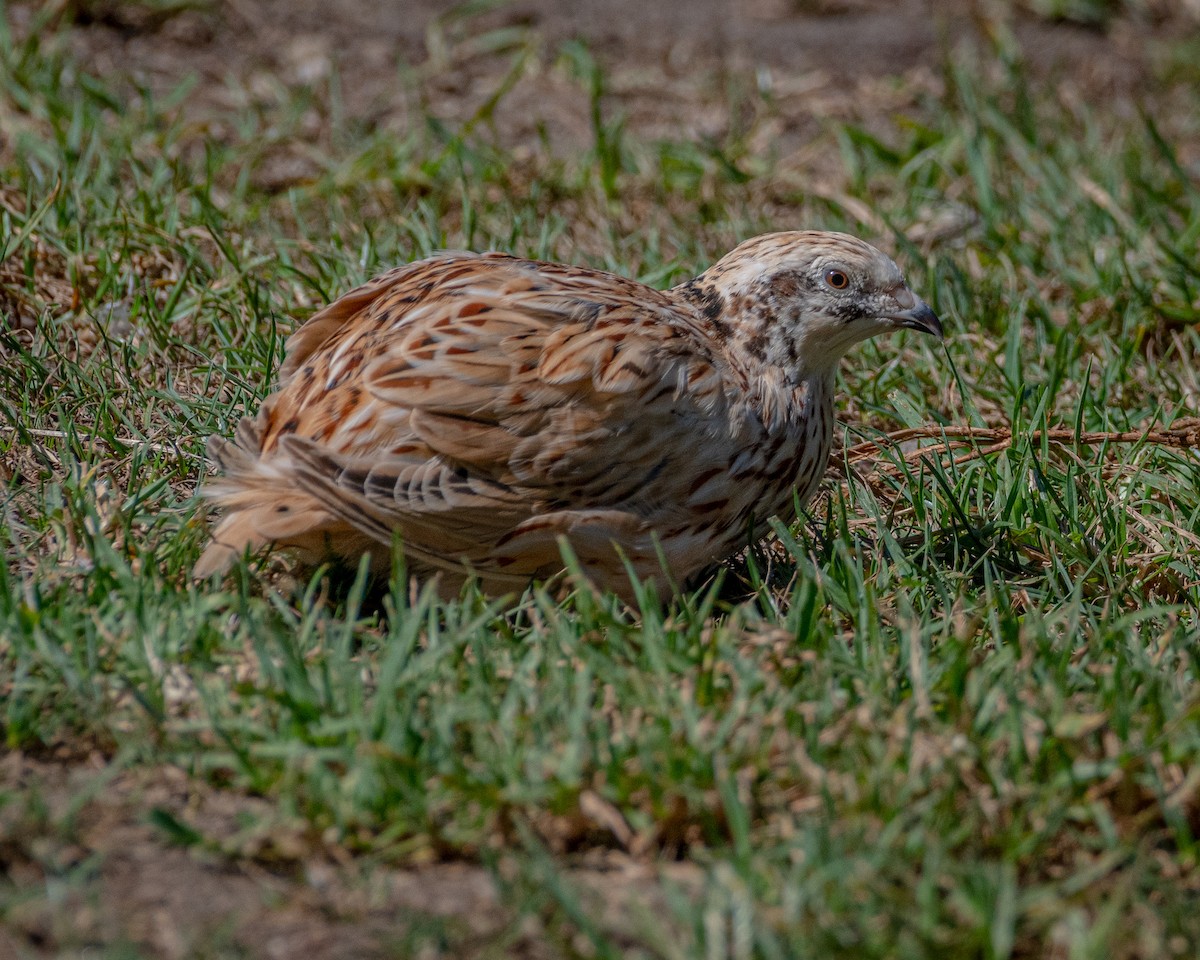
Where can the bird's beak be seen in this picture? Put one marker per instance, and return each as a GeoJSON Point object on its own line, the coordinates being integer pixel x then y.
{"type": "Point", "coordinates": [919, 317]}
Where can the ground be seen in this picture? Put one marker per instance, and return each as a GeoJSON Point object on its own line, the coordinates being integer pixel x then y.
{"type": "Point", "coordinates": [938, 778]}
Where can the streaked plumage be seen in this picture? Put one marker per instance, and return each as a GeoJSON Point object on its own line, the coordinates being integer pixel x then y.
{"type": "Point", "coordinates": [479, 407]}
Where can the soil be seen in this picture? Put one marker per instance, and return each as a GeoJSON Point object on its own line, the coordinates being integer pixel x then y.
{"type": "Point", "coordinates": [119, 873]}
{"type": "Point", "coordinates": [669, 66]}
{"type": "Point", "coordinates": [668, 72]}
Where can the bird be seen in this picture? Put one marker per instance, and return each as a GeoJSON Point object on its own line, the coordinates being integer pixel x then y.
{"type": "Point", "coordinates": [486, 411]}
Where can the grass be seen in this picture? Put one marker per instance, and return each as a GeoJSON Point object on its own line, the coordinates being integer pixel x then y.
{"type": "Point", "coordinates": [953, 713]}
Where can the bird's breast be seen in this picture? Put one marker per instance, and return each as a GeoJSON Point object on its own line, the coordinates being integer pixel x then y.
{"type": "Point", "coordinates": [757, 470]}
{"type": "Point", "coordinates": [794, 450]}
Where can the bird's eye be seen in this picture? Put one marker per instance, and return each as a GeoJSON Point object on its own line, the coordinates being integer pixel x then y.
{"type": "Point", "coordinates": [837, 279]}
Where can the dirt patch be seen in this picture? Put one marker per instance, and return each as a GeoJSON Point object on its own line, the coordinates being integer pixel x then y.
{"type": "Point", "coordinates": [368, 42]}
{"type": "Point", "coordinates": [155, 859]}
{"type": "Point", "coordinates": [669, 73]}
{"type": "Point", "coordinates": [764, 78]}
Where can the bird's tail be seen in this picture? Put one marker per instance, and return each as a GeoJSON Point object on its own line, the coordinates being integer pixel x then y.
{"type": "Point", "coordinates": [260, 504]}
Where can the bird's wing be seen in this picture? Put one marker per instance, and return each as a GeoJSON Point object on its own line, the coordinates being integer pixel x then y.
{"type": "Point", "coordinates": [452, 399]}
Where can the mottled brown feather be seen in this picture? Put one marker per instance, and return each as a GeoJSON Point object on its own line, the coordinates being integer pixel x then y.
{"type": "Point", "coordinates": [480, 408]}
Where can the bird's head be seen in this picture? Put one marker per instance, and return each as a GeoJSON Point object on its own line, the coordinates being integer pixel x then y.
{"type": "Point", "coordinates": [798, 301]}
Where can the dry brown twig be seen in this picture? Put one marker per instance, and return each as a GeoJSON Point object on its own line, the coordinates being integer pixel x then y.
{"type": "Point", "coordinates": [1184, 434]}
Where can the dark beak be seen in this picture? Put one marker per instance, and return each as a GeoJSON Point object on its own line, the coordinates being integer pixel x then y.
{"type": "Point", "coordinates": [920, 317]}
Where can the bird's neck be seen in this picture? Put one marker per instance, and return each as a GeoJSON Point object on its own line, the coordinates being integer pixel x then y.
{"type": "Point", "coordinates": [766, 367]}
{"type": "Point", "coordinates": [738, 330]}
